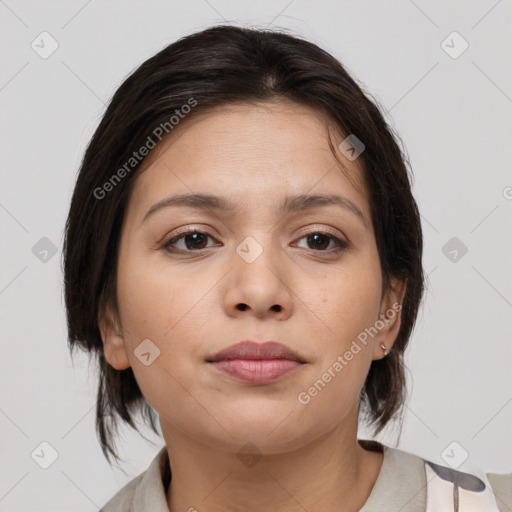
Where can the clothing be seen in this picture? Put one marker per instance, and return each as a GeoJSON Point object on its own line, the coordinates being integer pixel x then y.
{"type": "Point", "coordinates": [401, 485]}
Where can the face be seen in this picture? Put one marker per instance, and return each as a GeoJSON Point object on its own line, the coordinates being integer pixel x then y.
{"type": "Point", "coordinates": [308, 278]}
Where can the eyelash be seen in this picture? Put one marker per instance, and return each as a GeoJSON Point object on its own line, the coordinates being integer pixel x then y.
{"type": "Point", "coordinates": [342, 245]}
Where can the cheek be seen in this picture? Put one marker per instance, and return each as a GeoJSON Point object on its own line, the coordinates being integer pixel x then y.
{"type": "Point", "coordinates": [350, 301]}
{"type": "Point", "coordinates": [151, 301]}
{"type": "Point", "coordinates": [348, 305]}
{"type": "Point", "coordinates": [163, 309]}
{"type": "Point", "coordinates": [167, 308]}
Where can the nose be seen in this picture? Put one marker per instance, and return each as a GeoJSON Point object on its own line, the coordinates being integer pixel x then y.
{"type": "Point", "coordinates": [259, 287]}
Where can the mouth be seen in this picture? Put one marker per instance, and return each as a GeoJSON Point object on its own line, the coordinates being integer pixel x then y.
{"type": "Point", "coordinates": [256, 363]}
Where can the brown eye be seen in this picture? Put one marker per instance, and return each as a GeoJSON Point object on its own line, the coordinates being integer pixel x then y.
{"type": "Point", "coordinates": [190, 241]}
{"type": "Point", "coordinates": [318, 241]}
{"type": "Point", "coordinates": [324, 242]}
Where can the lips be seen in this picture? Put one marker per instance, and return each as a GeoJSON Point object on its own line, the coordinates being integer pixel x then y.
{"type": "Point", "coordinates": [255, 363]}
{"type": "Point", "coordinates": [256, 351]}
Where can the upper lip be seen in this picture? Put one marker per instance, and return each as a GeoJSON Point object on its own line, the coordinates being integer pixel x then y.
{"type": "Point", "coordinates": [255, 351]}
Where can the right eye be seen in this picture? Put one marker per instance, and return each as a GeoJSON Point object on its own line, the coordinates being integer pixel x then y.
{"type": "Point", "coordinates": [191, 240]}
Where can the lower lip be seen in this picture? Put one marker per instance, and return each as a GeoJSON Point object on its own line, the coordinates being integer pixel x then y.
{"type": "Point", "coordinates": [259, 371]}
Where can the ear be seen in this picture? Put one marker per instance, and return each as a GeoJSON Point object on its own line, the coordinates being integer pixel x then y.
{"type": "Point", "coordinates": [390, 316]}
{"type": "Point", "coordinates": [114, 345]}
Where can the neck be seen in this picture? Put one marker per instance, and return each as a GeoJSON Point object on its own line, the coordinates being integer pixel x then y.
{"type": "Point", "coordinates": [331, 473]}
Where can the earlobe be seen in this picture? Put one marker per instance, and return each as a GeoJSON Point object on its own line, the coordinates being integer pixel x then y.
{"type": "Point", "coordinates": [386, 349]}
{"type": "Point", "coordinates": [389, 318]}
{"type": "Point", "coordinates": [114, 345]}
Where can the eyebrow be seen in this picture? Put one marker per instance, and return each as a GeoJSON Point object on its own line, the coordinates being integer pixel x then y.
{"type": "Point", "coordinates": [290, 204]}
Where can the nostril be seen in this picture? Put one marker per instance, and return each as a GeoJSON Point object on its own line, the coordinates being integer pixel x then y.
{"type": "Point", "coordinates": [242, 307]}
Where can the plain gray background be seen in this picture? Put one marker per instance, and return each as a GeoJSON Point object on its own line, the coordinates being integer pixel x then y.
{"type": "Point", "coordinates": [453, 113]}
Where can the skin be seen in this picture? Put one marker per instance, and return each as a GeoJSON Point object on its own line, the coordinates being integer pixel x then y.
{"type": "Point", "coordinates": [186, 303]}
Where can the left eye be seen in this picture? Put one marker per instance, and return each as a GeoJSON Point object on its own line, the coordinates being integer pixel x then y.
{"type": "Point", "coordinates": [321, 240]}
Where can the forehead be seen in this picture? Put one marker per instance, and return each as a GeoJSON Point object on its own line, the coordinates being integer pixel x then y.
{"type": "Point", "coordinates": [251, 153]}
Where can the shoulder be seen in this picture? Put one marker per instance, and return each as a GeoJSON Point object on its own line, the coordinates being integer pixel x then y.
{"type": "Point", "coordinates": [144, 492]}
{"type": "Point", "coordinates": [123, 499]}
{"type": "Point", "coordinates": [469, 488]}
{"type": "Point", "coordinates": [502, 487]}
{"type": "Point", "coordinates": [401, 483]}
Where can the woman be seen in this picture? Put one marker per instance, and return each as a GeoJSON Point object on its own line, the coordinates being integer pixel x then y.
{"type": "Point", "coordinates": [243, 256]}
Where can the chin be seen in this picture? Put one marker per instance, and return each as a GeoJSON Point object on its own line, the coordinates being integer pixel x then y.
{"type": "Point", "coordinates": [269, 435]}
